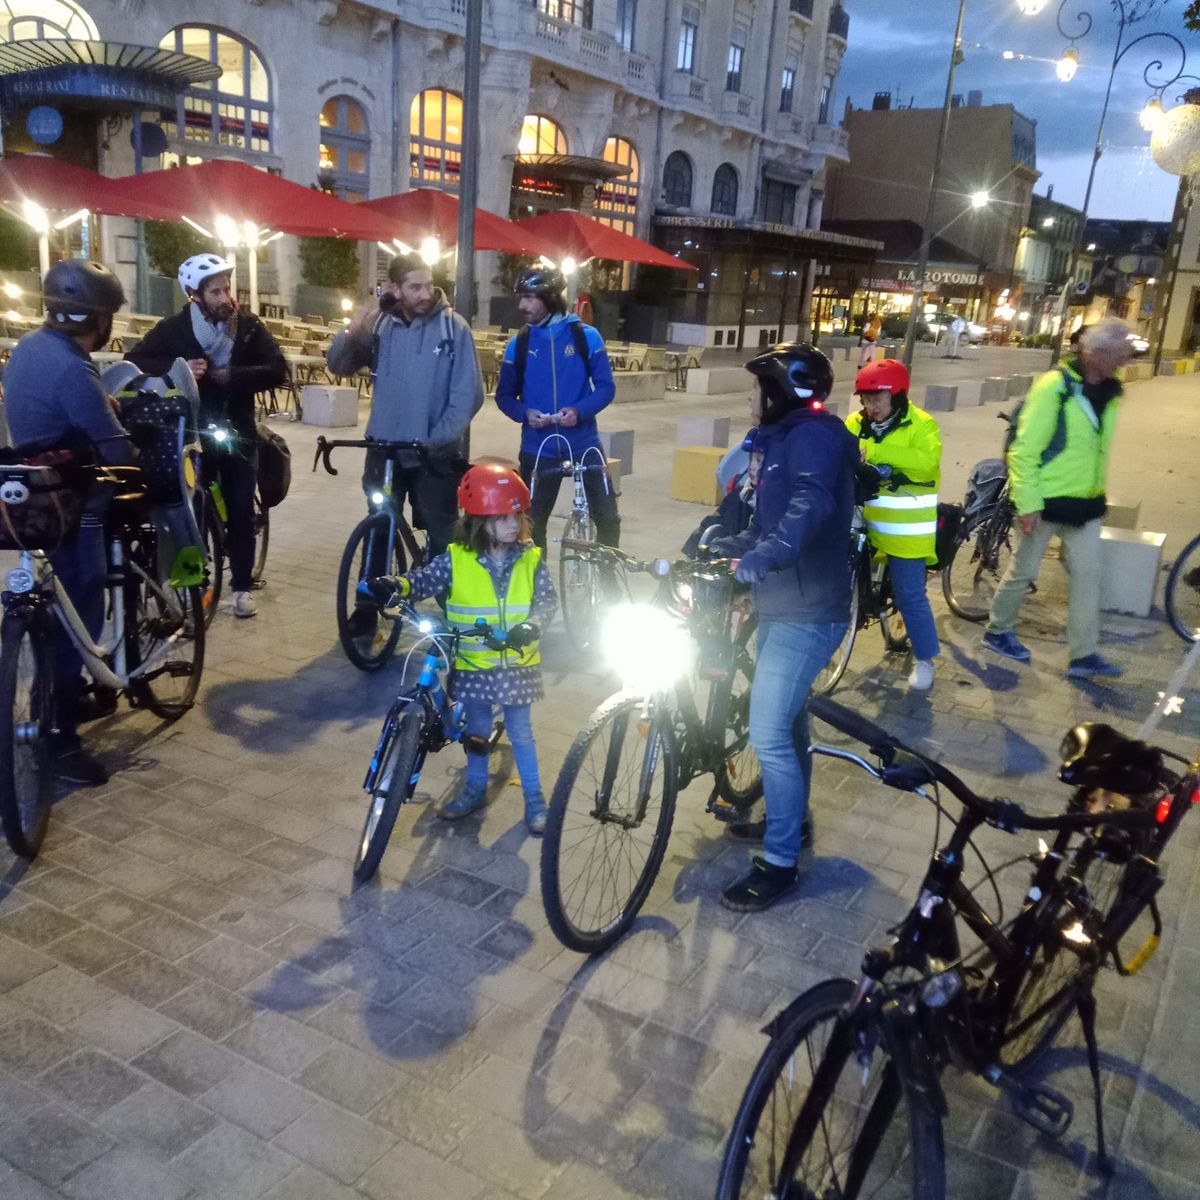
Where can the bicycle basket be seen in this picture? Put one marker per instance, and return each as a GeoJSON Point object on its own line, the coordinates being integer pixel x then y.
{"type": "Point", "coordinates": [40, 504]}
{"type": "Point", "coordinates": [984, 485]}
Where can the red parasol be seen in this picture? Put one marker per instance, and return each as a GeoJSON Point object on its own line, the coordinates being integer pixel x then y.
{"type": "Point", "coordinates": [575, 236]}
{"type": "Point", "coordinates": [435, 214]}
{"type": "Point", "coordinates": [64, 187]}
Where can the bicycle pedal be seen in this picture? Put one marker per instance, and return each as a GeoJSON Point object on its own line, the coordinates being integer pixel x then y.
{"type": "Point", "coordinates": [722, 809]}
{"type": "Point", "coordinates": [1043, 1108]}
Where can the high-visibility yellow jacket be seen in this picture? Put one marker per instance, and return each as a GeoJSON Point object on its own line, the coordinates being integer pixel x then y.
{"type": "Point", "coordinates": [473, 595]}
{"type": "Point", "coordinates": [903, 522]}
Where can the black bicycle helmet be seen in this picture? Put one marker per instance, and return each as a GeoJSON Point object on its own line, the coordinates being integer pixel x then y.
{"type": "Point", "coordinates": [76, 286]}
{"type": "Point", "coordinates": [546, 283]}
{"type": "Point", "coordinates": [794, 375]}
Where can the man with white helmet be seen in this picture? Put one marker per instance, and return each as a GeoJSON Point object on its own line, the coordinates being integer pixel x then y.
{"type": "Point", "coordinates": [232, 356]}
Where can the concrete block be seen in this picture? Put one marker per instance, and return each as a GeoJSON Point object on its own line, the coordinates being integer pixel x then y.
{"type": "Point", "coordinates": [694, 474]}
{"type": "Point", "coordinates": [702, 431]}
{"type": "Point", "coordinates": [1018, 385]}
{"type": "Point", "coordinates": [618, 445]}
{"type": "Point", "coordinates": [940, 397]}
{"type": "Point", "coordinates": [1129, 568]}
{"type": "Point", "coordinates": [892, 350]}
{"type": "Point", "coordinates": [970, 393]}
{"type": "Point", "coordinates": [615, 472]}
{"type": "Point", "coordinates": [713, 381]}
{"type": "Point", "coordinates": [331, 407]}
{"type": "Point", "coordinates": [995, 387]}
{"type": "Point", "coordinates": [1167, 367]}
{"type": "Point", "coordinates": [641, 385]}
{"type": "Point", "coordinates": [1122, 516]}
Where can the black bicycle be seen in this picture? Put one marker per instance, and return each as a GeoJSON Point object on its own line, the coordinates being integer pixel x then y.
{"type": "Point", "coordinates": [1182, 597]}
{"type": "Point", "coordinates": [382, 543]}
{"type": "Point", "coordinates": [847, 1099]}
{"type": "Point", "coordinates": [614, 801]}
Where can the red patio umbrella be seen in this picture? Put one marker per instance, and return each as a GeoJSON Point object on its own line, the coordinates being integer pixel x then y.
{"type": "Point", "coordinates": [435, 214]}
{"type": "Point", "coordinates": [233, 189]}
{"type": "Point", "coordinates": [64, 187]}
{"type": "Point", "coordinates": [575, 236]}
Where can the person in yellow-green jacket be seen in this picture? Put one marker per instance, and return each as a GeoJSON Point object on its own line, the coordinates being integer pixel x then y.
{"type": "Point", "coordinates": [903, 443]}
{"type": "Point", "coordinates": [1057, 465]}
{"type": "Point", "coordinates": [492, 570]}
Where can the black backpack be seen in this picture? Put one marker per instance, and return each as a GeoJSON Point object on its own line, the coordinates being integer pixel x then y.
{"type": "Point", "coordinates": [521, 354]}
{"type": "Point", "coordinates": [274, 467]}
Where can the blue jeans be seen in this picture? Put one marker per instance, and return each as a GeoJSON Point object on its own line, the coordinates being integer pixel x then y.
{"type": "Point", "coordinates": [237, 472]}
{"type": "Point", "coordinates": [790, 656]}
{"type": "Point", "coordinates": [519, 727]}
{"type": "Point", "coordinates": [908, 585]}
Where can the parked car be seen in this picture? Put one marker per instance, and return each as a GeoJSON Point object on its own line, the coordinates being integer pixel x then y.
{"type": "Point", "coordinates": [940, 323]}
{"type": "Point", "coordinates": [895, 325]}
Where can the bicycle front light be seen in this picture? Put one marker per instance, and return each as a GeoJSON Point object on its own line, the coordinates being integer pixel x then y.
{"type": "Point", "coordinates": [645, 647]}
{"type": "Point", "coordinates": [19, 581]}
{"type": "Point", "coordinates": [377, 498]}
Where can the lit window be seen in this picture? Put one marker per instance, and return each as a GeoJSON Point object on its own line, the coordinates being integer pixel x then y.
{"type": "Point", "coordinates": [26, 20]}
{"type": "Point", "coordinates": [616, 199]}
{"type": "Point", "coordinates": [685, 57]}
{"type": "Point", "coordinates": [435, 146]}
{"type": "Point", "coordinates": [787, 90]}
{"type": "Point", "coordinates": [733, 68]}
{"type": "Point", "coordinates": [577, 12]}
{"type": "Point", "coordinates": [540, 135]}
{"type": "Point", "coordinates": [345, 147]}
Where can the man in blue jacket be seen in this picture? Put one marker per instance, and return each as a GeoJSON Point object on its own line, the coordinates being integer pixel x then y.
{"type": "Point", "coordinates": [795, 554]}
{"type": "Point", "coordinates": [554, 379]}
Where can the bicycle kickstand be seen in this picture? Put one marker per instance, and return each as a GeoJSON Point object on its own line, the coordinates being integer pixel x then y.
{"type": "Point", "coordinates": [1086, 1005]}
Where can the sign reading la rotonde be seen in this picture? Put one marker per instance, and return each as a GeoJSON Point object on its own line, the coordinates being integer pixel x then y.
{"type": "Point", "coordinates": [941, 275]}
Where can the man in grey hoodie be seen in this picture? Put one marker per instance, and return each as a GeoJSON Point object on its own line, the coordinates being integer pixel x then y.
{"type": "Point", "coordinates": [426, 387]}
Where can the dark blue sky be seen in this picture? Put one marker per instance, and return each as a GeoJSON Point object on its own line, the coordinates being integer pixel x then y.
{"type": "Point", "coordinates": [903, 46]}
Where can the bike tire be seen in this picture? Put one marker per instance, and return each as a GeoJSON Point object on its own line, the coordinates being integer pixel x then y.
{"type": "Point", "coordinates": [891, 621]}
{"type": "Point", "coordinates": [367, 652]}
{"type": "Point", "coordinates": [977, 565]}
{"type": "Point", "coordinates": [213, 532]}
{"type": "Point", "coordinates": [26, 721]}
{"type": "Point", "coordinates": [262, 538]}
{"type": "Point", "coordinates": [400, 770]}
{"type": "Point", "coordinates": [578, 583]}
{"type": "Point", "coordinates": [578, 847]}
{"type": "Point", "coordinates": [1182, 596]}
{"type": "Point", "coordinates": [831, 674]}
{"type": "Point", "coordinates": [809, 1034]}
{"type": "Point", "coordinates": [739, 775]}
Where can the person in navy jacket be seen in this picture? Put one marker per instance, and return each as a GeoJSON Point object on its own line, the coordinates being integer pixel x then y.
{"type": "Point", "coordinates": [796, 555]}
{"type": "Point", "coordinates": [554, 378]}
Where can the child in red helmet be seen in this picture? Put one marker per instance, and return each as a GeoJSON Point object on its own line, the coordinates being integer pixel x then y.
{"type": "Point", "coordinates": [492, 570]}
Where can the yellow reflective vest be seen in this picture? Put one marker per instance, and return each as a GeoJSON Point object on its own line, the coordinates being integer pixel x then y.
{"type": "Point", "coordinates": [473, 595]}
{"type": "Point", "coordinates": [903, 522]}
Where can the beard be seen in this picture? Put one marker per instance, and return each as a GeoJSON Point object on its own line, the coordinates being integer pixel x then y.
{"type": "Point", "coordinates": [217, 313]}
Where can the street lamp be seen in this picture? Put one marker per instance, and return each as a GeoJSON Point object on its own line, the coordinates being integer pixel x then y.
{"type": "Point", "coordinates": [1066, 66]}
{"type": "Point", "coordinates": [1151, 116]}
{"type": "Point", "coordinates": [979, 199]}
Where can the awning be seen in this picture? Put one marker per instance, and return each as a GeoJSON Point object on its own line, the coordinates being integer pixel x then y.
{"type": "Point", "coordinates": [224, 188]}
{"type": "Point", "coordinates": [60, 186]}
{"type": "Point", "coordinates": [573, 168]}
{"type": "Point", "coordinates": [576, 236]}
{"type": "Point", "coordinates": [431, 213]}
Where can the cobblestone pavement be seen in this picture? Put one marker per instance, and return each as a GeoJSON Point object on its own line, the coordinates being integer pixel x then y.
{"type": "Point", "coordinates": [195, 1004]}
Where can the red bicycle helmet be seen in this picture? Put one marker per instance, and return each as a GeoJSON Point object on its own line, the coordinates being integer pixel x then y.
{"type": "Point", "coordinates": [886, 376]}
{"type": "Point", "coordinates": [492, 490]}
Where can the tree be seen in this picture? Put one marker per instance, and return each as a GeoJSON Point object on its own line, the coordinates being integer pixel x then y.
{"type": "Point", "coordinates": [329, 262]}
{"type": "Point", "coordinates": [1191, 15]}
{"type": "Point", "coordinates": [168, 243]}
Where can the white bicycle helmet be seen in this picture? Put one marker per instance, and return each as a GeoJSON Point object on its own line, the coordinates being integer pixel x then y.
{"type": "Point", "coordinates": [200, 267]}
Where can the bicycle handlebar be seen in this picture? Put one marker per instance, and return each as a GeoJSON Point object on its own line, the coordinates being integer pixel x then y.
{"type": "Point", "coordinates": [1006, 815]}
{"type": "Point", "coordinates": [326, 446]}
{"type": "Point", "coordinates": [567, 468]}
{"type": "Point", "coordinates": [659, 567]}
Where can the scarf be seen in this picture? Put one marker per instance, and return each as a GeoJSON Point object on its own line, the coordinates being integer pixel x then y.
{"type": "Point", "coordinates": [215, 340]}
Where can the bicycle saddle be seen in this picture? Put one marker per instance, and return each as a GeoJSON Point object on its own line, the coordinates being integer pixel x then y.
{"type": "Point", "coordinates": [1097, 756]}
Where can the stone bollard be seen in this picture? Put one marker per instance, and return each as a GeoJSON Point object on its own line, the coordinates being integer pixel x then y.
{"type": "Point", "coordinates": [331, 407]}
{"type": "Point", "coordinates": [618, 445]}
{"type": "Point", "coordinates": [970, 393]}
{"type": "Point", "coordinates": [940, 397]}
{"type": "Point", "coordinates": [702, 431]}
{"type": "Point", "coordinates": [694, 474]}
{"type": "Point", "coordinates": [995, 387]}
{"type": "Point", "coordinates": [1019, 385]}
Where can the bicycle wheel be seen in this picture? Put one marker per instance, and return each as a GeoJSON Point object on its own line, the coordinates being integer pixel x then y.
{"type": "Point", "coordinates": [399, 771]}
{"type": "Point", "coordinates": [1182, 597]}
{"type": "Point", "coordinates": [368, 636]}
{"type": "Point", "coordinates": [164, 633]}
{"type": "Point", "coordinates": [262, 536]}
{"type": "Point", "coordinates": [891, 621]}
{"type": "Point", "coordinates": [213, 533]}
{"type": "Point", "coordinates": [578, 583]}
{"type": "Point", "coordinates": [981, 556]}
{"type": "Point", "coordinates": [830, 674]}
{"type": "Point", "coordinates": [609, 820]}
{"type": "Point", "coordinates": [862, 1139]}
{"type": "Point", "coordinates": [26, 721]}
{"type": "Point", "coordinates": [739, 777]}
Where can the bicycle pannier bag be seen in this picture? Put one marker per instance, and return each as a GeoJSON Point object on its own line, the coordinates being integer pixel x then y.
{"type": "Point", "coordinates": [40, 506]}
{"type": "Point", "coordinates": [274, 467]}
{"type": "Point", "coordinates": [949, 520]}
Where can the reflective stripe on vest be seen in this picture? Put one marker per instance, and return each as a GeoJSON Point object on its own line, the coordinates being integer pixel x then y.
{"type": "Point", "coordinates": [473, 595]}
{"type": "Point", "coordinates": [903, 525]}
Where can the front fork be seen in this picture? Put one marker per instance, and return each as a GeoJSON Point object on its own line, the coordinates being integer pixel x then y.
{"type": "Point", "coordinates": [647, 720]}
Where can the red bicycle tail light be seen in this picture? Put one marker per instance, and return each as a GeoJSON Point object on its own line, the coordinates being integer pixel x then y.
{"type": "Point", "coordinates": [1164, 808]}
{"type": "Point", "coordinates": [1196, 795]}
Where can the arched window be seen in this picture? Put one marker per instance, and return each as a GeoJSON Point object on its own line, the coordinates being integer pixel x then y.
{"type": "Point", "coordinates": [435, 139]}
{"type": "Point", "coordinates": [677, 180]}
{"type": "Point", "coordinates": [25, 20]}
{"type": "Point", "coordinates": [616, 200]}
{"type": "Point", "coordinates": [345, 148]}
{"type": "Point", "coordinates": [540, 135]}
{"type": "Point", "coordinates": [233, 110]}
{"type": "Point", "coordinates": [725, 190]}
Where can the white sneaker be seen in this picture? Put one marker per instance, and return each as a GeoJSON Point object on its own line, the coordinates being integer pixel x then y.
{"type": "Point", "coordinates": [920, 679]}
{"type": "Point", "coordinates": [244, 605]}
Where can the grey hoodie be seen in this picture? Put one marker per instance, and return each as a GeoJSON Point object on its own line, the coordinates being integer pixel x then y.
{"type": "Point", "coordinates": [422, 393]}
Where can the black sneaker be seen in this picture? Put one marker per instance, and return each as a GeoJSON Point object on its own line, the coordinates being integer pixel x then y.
{"type": "Point", "coordinates": [752, 832]}
{"type": "Point", "coordinates": [760, 889]}
{"type": "Point", "coordinates": [78, 766]}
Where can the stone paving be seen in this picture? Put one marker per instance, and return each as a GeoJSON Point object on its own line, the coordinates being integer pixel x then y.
{"type": "Point", "coordinates": [195, 1004]}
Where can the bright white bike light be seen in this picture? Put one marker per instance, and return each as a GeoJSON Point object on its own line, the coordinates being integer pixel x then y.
{"type": "Point", "coordinates": [646, 647]}
{"type": "Point", "coordinates": [425, 626]}
{"type": "Point", "coordinates": [19, 580]}
{"type": "Point", "coordinates": [376, 497]}
{"type": "Point", "coordinates": [220, 435]}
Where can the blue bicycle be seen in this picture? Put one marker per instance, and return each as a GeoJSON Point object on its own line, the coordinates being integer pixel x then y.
{"type": "Point", "coordinates": [422, 720]}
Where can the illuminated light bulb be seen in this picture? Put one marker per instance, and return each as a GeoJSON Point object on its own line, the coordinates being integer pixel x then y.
{"type": "Point", "coordinates": [347, 305]}
{"type": "Point", "coordinates": [1075, 934]}
{"type": "Point", "coordinates": [979, 199]}
{"type": "Point", "coordinates": [376, 497]}
{"type": "Point", "coordinates": [431, 251]}
{"type": "Point", "coordinates": [569, 266]}
{"type": "Point", "coordinates": [1066, 66]}
{"type": "Point", "coordinates": [1009, 55]}
{"type": "Point", "coordinates": [227, 230]}
{"type": "Point", "coordinates": [12, 291]}
{"type": "Point", "coordinates": [1031, 8]}
{"type": "Point", "coordinates": [1151, 116]}
{"type": "Point", "coordinates": [35, 216]}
